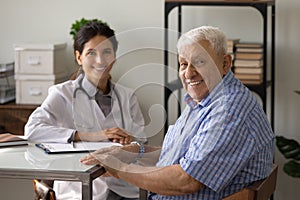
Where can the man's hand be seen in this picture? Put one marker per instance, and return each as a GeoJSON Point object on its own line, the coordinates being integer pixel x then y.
{"type": "Point", "coordinates": [92, 158]}
{"type": "Point", "coordinates": [118, 152]}
{"type": "Point", "coordinates": [111, 163]}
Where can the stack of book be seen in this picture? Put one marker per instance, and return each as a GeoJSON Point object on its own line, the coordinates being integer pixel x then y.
{"type": "Point", "coordinates": [231, 46]}
{"type": "Point", "coordinates": [248, 64]}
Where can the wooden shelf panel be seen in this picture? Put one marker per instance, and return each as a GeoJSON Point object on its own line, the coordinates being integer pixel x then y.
{"type": "Point", "coordinates": [271, 2]}
{"type": "Point", "coordinates": [13, 117]}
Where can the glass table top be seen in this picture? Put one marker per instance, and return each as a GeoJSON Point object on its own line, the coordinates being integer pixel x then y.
{"type": "Point", "coordinates": [30, 157]}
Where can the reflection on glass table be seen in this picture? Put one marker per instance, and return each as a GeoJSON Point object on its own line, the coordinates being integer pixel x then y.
{"type": "Point", "coordinates": [30, 162]}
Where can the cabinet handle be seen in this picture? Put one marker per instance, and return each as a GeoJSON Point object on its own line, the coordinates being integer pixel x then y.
{"type": "Point", "coordinates": [35, 92]}
{"type": "Point", "coordinates": [34, 60]}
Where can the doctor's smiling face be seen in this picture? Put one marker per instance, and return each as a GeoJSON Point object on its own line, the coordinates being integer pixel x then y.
{"type": "Point", "coordinates": [97, 59]}
{"type": "Point", "coordinates": [95, 47]}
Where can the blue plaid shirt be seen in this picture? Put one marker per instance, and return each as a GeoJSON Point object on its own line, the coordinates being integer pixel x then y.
{"type": "Point", "coordinates": [225, 141]}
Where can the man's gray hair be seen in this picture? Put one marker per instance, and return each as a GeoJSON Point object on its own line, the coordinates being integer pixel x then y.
{"type": "Point", "coordinates": [213, 35]}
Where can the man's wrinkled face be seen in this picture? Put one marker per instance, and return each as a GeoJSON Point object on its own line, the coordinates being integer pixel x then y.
{"type": "Point", "coordinates": [201, 69]}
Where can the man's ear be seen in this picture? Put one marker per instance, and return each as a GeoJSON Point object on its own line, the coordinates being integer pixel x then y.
{"type": "Point", "coordinates": [78, 57]}
{"type": "Point", "coordinates": [227, 63]}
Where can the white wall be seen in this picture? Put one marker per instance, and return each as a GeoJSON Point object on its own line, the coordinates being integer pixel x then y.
{"type": "Point", "coordinates": [49, 21]}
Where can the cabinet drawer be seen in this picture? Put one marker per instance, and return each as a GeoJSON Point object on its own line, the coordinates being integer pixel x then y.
{"type": "Point", "coordinates": [34, 91]}
{"type": "Point", "coordinates": [47, 59]}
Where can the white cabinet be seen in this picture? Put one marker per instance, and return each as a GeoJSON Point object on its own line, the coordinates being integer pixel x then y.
{"type": "Point", "coordinates": [37, 67]}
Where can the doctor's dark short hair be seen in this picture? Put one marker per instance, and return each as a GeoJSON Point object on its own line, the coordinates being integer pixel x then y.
{"type": "Point", "coordinates": [90, 30]}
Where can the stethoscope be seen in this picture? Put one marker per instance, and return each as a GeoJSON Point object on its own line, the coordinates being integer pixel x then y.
{"type": "Point", "coordinates": [81, 109]}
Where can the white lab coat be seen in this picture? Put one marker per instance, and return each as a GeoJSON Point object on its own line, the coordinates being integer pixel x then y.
{"type": "Point", "coordinates": [53, 121]}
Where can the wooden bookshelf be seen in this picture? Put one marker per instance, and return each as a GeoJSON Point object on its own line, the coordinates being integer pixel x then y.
{"type": "Point", "coordinates": [268, 25]}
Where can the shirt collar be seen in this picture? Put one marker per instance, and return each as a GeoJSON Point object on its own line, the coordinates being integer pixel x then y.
{"type": "Point", "coordinates": [92, 90]}
{"type": "Point", "coordinates": [190, 101]}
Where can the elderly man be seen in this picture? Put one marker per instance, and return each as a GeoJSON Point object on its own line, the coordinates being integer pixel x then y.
{"type": "Point", "coordinates": [221, 143]}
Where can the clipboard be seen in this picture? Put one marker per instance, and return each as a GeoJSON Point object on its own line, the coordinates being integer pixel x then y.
{"type": "Point", "coordinates": [76, 147]}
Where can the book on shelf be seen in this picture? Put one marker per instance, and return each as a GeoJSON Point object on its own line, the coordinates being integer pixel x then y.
{"type": "Point", "coordinates": [232, 41]}
{"type": "Point", "coordinates": [231, 45]}
{"type": "Point", "coordinates": [252, 82]}
{"type": "Point", "coordinates": [8, 139]}
{"type": "Point", "coordinates": [249, 56]}
{"type": "Point", "coordinates": [248, 70]}
{"type": "Point", "coordinates": [248, 63]}
{"type": "Point", "coordinates": [249, 50]}
{"type": "Point", "coordinates": [248, 45]}
{"type": "Point", "coordinates": [248, 76]}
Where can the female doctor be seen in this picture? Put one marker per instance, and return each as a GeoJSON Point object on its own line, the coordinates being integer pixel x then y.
{"type": "Point", "coordinates": [90, 108]}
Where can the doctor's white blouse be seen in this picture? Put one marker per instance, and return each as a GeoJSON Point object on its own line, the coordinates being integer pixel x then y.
{"type": "Point", "coordinates": [55, 121]}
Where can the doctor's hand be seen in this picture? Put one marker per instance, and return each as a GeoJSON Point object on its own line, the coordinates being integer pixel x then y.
{"type": "Point", "coordinates": [117, 135]}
